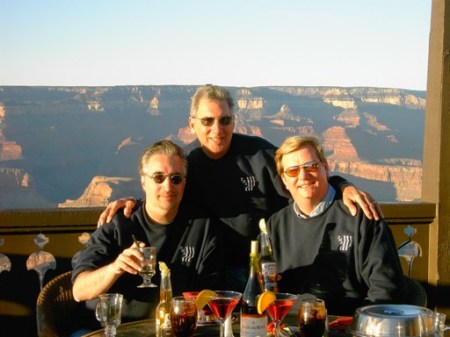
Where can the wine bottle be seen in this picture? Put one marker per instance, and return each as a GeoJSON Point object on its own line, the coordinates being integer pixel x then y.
{"type": "Point", "coordinates": [252, 323]}
{"type": "Point", "coordinates": [268, 265]}
{"type": "Point", "coordinates": [163, 325]}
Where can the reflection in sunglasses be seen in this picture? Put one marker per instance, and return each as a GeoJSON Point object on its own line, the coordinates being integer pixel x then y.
{"type": "Point", "coordinates": [209, 121]}
{"type": "Point", "coordinates": [310, 167]}
{"type": "Point", "coordinates": [159, 178]}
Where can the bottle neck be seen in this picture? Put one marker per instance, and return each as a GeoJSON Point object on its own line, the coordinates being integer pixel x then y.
{"type": "Point", "coordinates": [165, 291]}
{"type": "Point", "coordinates": [266, 246]}
{"type": "Point", "coordinates": [253, 263]}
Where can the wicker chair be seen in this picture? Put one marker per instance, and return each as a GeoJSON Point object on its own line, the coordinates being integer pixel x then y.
{"type": "Point", "coordinates": [415, 292]}
{"type": "Point", "coordinates": [55, 307]}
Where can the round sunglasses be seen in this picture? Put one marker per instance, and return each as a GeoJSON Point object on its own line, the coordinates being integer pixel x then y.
{"type": "Point", "coordinates": [159, 178]}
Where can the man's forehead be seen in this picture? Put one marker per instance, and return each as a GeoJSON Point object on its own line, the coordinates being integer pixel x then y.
{"type": "Point", "coordinates": [302, 155]}
{"type": "Point", "coordinates": [208, 106]}
{"type": "Point", "coordinates": [160, 161]}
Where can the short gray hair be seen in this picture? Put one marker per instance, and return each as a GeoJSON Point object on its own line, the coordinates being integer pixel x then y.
{"type": "Point", "coordinates": [212, 92]}
{"type": "Point", "coordinates": [162, 147]}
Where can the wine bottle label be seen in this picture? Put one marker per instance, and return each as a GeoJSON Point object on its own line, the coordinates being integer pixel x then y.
{"type": "Point", "coordinates": [253, 325]}
{"type": "Point", "coordinates": [269, 271]}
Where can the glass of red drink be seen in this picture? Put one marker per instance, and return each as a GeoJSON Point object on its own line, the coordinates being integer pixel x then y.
{"type": "Point", "coordinates": [278, 310]}
{"type": "Point", "coordinates": [222, 305]}
{"type": "Point", "coordinates": [312, 318]}
{"type": "Point", "coordinates": [205, 315]}
{"type": "Point", "coordinates": [183, 317]}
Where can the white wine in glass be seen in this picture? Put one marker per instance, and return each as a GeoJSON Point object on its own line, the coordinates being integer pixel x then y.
{"type": "Point", "coordinates": [148, 267]}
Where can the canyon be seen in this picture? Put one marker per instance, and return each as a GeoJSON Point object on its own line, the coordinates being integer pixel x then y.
{"type": "Point", "coordinates": [79, 146]}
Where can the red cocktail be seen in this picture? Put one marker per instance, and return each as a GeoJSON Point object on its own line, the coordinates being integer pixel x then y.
{"type": "Point", "coordinates": [278, 310]}
{"type": "Point", "coordinates": [222, 304]}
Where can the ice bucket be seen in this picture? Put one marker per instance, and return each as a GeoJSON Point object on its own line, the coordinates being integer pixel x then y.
{"type": "Point", "coordinates": [392, 320]}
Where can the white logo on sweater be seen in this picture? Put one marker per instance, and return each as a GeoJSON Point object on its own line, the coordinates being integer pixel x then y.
{"type": "Point", "coordinates": [188, 254]}
{"type": "Point", "coordinates": [249, 183]}
{"type": "Point", "coordinates": [345, 242]}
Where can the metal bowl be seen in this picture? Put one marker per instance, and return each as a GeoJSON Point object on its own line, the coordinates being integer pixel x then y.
{"type": "Point", "coordinates": [393, 320]}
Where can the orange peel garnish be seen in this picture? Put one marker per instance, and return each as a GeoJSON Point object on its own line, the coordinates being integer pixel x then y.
{"type": "Point", "coordinates": [204, 297]}
{"type": "Point", "coordinates": [264, 300]}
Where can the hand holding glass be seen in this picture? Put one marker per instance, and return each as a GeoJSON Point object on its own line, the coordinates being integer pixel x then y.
{"type": "Point", "coordinates": [148, 267]}
{"type": "Point", "coordinates": [108, 311]}
{"type": "Point", "coordinates": [183, 316]}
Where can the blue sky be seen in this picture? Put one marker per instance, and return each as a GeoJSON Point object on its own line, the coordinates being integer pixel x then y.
{"type": "Point", "coordinates": [381, 43]}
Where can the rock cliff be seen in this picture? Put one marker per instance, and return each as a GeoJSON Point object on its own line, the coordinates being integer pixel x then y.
{"type": "Point", "coordinates": [79, 146]}
{"type": "Point", "coordinates": [101, 190]}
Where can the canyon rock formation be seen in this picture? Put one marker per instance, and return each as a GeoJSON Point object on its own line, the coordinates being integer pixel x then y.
{"type": "Point", "coordinates": [79, 146]}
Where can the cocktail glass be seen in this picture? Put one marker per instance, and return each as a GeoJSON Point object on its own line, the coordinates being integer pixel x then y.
{"type": "Point", "coordinates": [222, 305]}
{"type": "Point", "coordinates": [278, 310]}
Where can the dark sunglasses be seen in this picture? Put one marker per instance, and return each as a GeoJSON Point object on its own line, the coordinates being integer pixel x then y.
{"type": "Point", "coordinates": [209, 121]}
{"type": "Point", "coordinates": [159, 178]}
{"type": "Point", "coordinates": [310, 167]}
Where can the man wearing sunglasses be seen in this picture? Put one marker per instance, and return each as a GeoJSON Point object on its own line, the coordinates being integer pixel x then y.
{"type": "Point", "coordinates": [184, 237]}
{"type": "Point", "coordinates": [234, 177]}
{"type": "Point", "coordinates": [322, 249]}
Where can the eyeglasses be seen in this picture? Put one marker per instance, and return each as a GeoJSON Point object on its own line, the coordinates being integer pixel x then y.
{"type": "Point", "coordinates": [310, 167]}
{"type": "Point", "coordinates": [159, 178]}
{"type": "Point", "coordinates": [209, 121]}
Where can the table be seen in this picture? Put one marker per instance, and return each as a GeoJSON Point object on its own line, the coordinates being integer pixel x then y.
{"type": "Point", "coordinates": [146, 328]}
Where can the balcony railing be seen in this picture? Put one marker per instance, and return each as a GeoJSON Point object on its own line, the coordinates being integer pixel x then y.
{"type": "Point", "coordinates": [56, 234]}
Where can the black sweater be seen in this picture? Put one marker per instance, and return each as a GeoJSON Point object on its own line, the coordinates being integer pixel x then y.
{"type": "Point", "coordinates": [189, 246]}
{"type": "Point", "coordinates": [347, 261]}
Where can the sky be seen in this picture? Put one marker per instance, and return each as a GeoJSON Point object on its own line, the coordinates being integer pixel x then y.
{"type": "Point", "coordinates": [347, 43]}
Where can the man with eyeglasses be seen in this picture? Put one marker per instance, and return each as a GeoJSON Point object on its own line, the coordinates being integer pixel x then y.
{"type": "Point", "coordinates": [322, 249]}
{"type": "Point", "coordinates": [185, 239]}
{"type": "Point", "coordinates": [234, 177]}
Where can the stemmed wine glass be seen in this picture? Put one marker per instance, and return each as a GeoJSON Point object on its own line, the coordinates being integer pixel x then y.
{"type": "Point", "coordinates": [278, 310]}
{"type": "Point", "coordinates": [148, 267]}
{"type": "Point", "coordinates": [222, 305]}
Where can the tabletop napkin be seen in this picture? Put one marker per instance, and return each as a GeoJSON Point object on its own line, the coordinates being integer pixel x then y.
{"type": "Point", "coordinates": [340, 323]}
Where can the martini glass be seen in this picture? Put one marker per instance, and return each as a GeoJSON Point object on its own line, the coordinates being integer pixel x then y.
{"type": "Point", "coordinates": [223, 304]}
{"type": "Point", "coordinates": [278, 310]}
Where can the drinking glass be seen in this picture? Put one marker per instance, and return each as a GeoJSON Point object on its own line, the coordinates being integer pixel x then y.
{"type": "Point", "coordinates": [148, 267]}
{"type": "Point", "coordinates": [223, 304]}
{"type": "Point", "coordinates": [439, 323]}
{"type": "Point", "coordinates": [312, 318]}
{"type": "Point", "coordinates": [108, 311]}
{"type": "Point", "coordinates": [278, 310]}
{"type": "Point", "coordinates": [183, 316]}
{"type": "Point", "coordinates": [205, 315]}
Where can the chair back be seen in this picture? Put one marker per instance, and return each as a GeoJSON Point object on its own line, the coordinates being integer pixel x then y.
{"type": "Point", "coordinates": [55, 307]}
{"type": "Point", "coordinates": [415, 293]}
